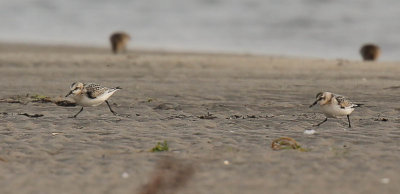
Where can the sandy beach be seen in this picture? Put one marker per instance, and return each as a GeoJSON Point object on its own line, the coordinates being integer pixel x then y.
{"type": "Point", "coordinates": [219, 114]}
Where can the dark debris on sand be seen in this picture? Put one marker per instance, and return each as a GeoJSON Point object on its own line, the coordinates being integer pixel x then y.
{"type": "Point", "coordinates": [380, 118]}
{"type": "Point", "coordinates": [25, 99]}
{"type": "Point", "coordinates": [169, 175]}
{"type": "Point", "coordinates": [248, 116]}
{"type": "Point", "coordinates": [30, 115]}
{"type": "Point", "coordinates": [167, 106]}
{"type": "Point", "coordinates": [208, 116]}
{"type": "Point", "coordinates": [64, 103]}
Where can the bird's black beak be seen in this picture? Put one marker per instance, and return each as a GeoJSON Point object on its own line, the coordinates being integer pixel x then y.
{"type": "Point", "coordinates": [70, 92]}
{"type": "Point", "coordinates": [315, 102]}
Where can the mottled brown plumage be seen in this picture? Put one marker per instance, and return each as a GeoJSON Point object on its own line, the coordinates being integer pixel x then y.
{"type": "Point", "coordinates": [93, 90]}
{"type": "Point", "coordinates": [342, 101]}
{"type": "Point", "coordinates": [119, 41]}
{"type": "Point", "coordinates": [370, 52]}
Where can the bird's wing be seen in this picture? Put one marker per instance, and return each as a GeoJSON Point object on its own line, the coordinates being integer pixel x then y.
{"type": "Point", "coordinates": [94, 90]}
{"type": "Point", "coordinates": [343, 102]}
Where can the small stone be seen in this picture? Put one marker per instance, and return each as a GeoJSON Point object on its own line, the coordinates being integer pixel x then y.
{"type": "Point", "coordinates": [309, 131]}
{"type": "Point", "coordinates": [125, 175]}
{"type": "Point", "coordinates": [226, 162]}
{"type": "Point", "coordinates": [385, 180]}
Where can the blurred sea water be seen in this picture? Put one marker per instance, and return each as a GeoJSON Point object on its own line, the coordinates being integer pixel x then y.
{"type": "Point", "coordinates": [309, 28]}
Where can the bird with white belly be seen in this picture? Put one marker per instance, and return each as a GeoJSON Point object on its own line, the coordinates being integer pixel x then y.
{"type": "Point", "coordinates": [334, 105]}
{"type": "Point", "coordinates": [91, 94]}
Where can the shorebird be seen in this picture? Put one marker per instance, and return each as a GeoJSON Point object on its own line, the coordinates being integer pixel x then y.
{"type": "Point", "coordinates": [334, 105]}
{"type": "Point", "coordinates": [370, 52]}
{"type": "Point", "coordinates": [119, 40]}
{"type": "Point", "coordinates": [91, 94]}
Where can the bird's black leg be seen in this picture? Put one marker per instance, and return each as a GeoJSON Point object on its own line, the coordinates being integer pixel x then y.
{"type": "Point", "coordinates": [321, 122]}
{"type": "Point", "coordinates": [77, 113]}
{"type": "Point", "coordinates": [111, 109]}
{"type": "Point", "coordinates": [348, 118]}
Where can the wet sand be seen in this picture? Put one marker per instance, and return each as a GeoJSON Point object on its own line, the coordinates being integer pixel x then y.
{"type": "Point", "coordinates": [167, 96]}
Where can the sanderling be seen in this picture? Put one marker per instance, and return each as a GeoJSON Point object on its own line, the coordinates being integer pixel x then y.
{"type": "Point", "coordinates": [91, 94]}
{"type": "Point", "coordinates": [370, 52]}
{"type": "Point", "coordinates": [334, 105]}
{"type": "Point", "coordinates": [119, 40]}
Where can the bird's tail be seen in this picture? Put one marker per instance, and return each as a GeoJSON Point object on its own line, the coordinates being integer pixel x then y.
{"type": "Point", "coordinates": [358, 105]}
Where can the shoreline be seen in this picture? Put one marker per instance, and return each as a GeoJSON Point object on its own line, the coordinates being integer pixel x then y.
{"type": "Point", "coordinates": [76, 48]}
